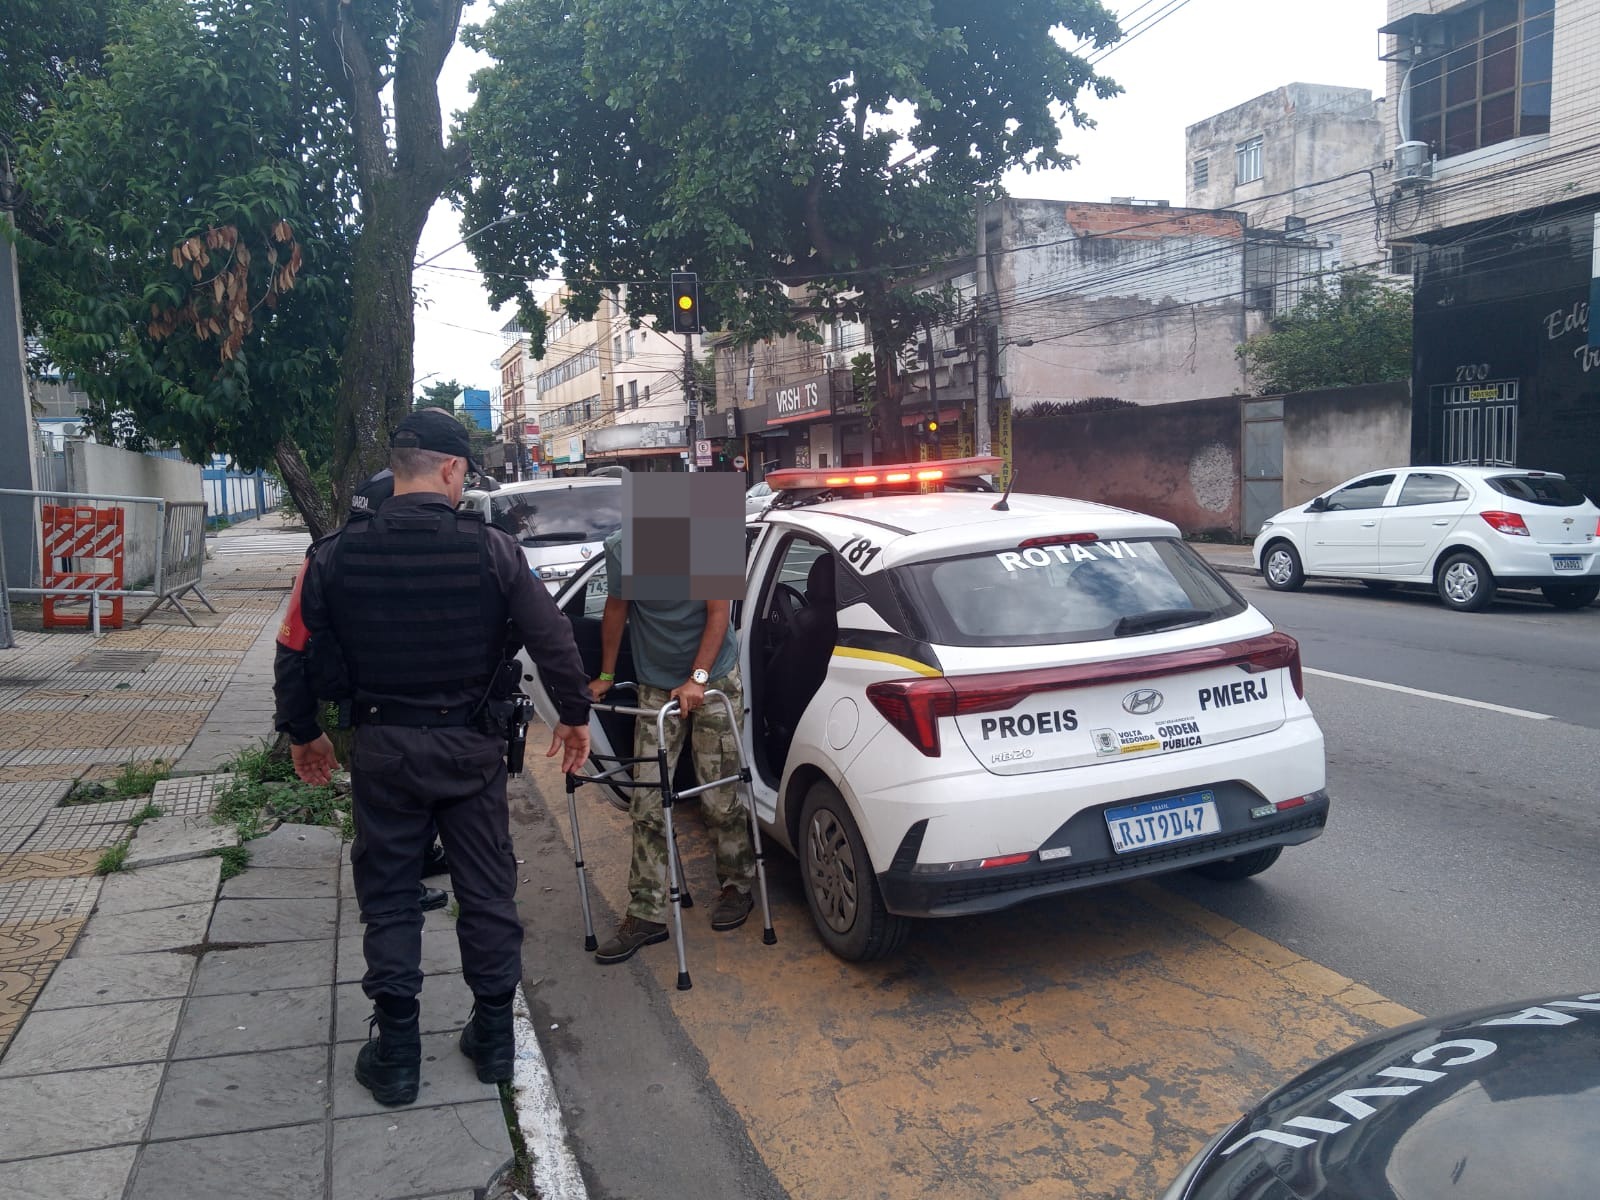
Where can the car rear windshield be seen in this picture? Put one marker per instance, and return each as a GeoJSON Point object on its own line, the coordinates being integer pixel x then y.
{"type": "Point", "coordinates": [556, 515]}
{"type": "Point", "coordinates": [1069, 592]}
{"type": "Point", "coordinates": [1538, 489]}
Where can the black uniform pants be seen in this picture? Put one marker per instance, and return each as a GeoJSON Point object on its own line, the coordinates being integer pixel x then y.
{"type": "Point", "coordinates": [404, 781]}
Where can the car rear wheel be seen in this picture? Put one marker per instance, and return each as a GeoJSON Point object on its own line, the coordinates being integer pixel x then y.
{"type": "Point", "coordinates": [841, 889]}
{"type": "Point", "coordinates": [1240, 866]}
{"type": "Point", "coordinates": [1568, 596]}
{"type": "Point", "coordinates": [1281, 568]}
{"type": "Point", "coordinates": [1465, 582]}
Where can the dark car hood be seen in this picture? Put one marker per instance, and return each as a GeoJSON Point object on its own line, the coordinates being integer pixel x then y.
{"type": "Point", "coordinates": [1487, 1105]}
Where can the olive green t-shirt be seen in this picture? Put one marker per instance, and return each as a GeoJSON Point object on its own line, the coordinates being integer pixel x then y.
{"type": "Point", "coordinates": [665, 637]}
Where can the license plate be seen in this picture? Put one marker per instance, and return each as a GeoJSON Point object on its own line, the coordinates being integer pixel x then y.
{"type": "Point", "coordinates": [1567, 562]}
{"type": "Point", "coordinates": [1161, 822]}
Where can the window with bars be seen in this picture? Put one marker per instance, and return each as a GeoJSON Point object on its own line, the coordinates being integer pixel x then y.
{"type": "Point", "coordinates": [633, 393]}
{"type": "Point", "coordinates": [1202, 172]}
{"type": "Point", "coordinates": [1247, 160]}
{"type": "Point", "coordinates": [1492, 81]}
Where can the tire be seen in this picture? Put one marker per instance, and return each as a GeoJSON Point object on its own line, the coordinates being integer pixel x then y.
{"type": "Point", "coordinates": [1240, 866]}
{"type": "Point", "coordinates": [841, 888]}
{"type": "Point", "coordinates": [1465, 582]}
{"type": "Point", "coordinates": [1569, 596]}
{"type": "Point", "coordinates": [1378, 585]}
{"type": "Point", "coordinates": [1280, 567]}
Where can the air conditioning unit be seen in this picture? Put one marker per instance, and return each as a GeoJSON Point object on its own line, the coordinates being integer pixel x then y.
{"type": "Point", "coordinates": [1413, 164]}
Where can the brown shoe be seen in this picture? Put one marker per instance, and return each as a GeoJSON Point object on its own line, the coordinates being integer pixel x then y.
{"type": "Point", "coordinates": [631, 934]}
{"type": "Point", "coordinates": [732, 910]}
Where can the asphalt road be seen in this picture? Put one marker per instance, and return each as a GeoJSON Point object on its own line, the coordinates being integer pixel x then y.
{"type": "Point", "coordinates": [1087, 1045]}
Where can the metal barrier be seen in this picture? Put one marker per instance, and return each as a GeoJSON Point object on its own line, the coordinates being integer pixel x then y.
{"type": "Point", "coordinates": [7, 640]}
{"type": "Point", "coordinates": [180, 558]}
{"type": "Point", "coordinates": [182, 541]}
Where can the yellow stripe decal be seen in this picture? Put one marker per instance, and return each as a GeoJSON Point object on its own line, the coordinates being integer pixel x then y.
{"type": "Point", "coordinates": [894, 660]}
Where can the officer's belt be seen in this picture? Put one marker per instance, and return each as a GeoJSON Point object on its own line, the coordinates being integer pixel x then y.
{"type": "Point", "coordinates": [410, 716]}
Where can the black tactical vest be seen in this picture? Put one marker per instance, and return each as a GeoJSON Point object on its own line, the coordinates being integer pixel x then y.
{"type": "Point", "coordinates": [414, 605]}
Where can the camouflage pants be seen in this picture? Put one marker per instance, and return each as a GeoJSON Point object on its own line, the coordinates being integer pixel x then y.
{"type": "Point", "coordinates": [726, 816]}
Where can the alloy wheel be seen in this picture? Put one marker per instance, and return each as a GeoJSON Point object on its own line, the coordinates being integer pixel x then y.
{"type": "Point", "coordinates": [1461, 582]}
{"type": "Point", "coordinates": [832, 870]}
{"type": "Point", "coordinates": [1280, 567]}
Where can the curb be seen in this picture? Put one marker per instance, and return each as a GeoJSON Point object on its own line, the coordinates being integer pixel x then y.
{"type": "Point", "coordinates": [554, 1168]}
{"type": "Point", "coordinates": [1234, 568]}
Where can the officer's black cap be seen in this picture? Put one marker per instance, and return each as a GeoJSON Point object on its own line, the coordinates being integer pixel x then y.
{"type": "Point", "coordinates": [373, 492]}
{"type": "Point", "coordinates": [436, 430]}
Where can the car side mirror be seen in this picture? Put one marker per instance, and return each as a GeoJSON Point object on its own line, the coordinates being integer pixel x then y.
{"type": "Point", "coordinates": [1320, 504]}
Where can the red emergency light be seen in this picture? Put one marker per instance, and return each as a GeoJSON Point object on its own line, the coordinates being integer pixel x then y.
{"type": "Point", "coordinates": [800, 479]}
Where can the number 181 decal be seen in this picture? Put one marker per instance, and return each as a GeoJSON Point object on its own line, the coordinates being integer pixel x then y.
{"type": "Point", "coordinates": [859, 553]}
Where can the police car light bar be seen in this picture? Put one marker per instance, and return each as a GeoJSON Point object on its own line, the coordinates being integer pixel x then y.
{"type": "Point", "coordinates": [799, 479]}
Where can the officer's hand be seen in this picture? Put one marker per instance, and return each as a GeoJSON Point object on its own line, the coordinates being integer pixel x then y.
{"type": "Point", "coordinates": [315, 761]}
{"type": "Point", "coordinates": [574, 740]}
{"type": "Point", "coordinates": [599, 687]}
{"type": "Point", "coordinates": [689, 696]}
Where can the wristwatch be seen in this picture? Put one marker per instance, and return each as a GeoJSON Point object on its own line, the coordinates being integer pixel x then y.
{"type": "Point", "coordinates": [702, 677]}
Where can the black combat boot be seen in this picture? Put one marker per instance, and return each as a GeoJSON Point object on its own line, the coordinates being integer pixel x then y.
{"type": "Point", "coordinates": [390, 1064]}
{"type": "Point", "coordinates": [488, 1040]}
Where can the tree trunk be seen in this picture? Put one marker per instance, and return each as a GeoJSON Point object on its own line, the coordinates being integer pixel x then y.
{"type": "Point", "coordinates": [308, 497]}
{"type": "Point", "coordinates": [375, 372]}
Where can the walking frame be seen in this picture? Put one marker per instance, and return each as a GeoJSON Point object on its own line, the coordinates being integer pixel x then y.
{"type": "Point", "coordinates": [620, 775]}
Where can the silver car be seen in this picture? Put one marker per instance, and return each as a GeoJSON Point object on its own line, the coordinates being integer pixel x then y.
{"type": "Point", "coordinates": [560, 523]}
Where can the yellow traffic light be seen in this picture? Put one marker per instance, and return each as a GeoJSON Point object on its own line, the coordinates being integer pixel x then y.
{"type": "Point", "coordinates": [933, 427]}
{"type": "Point", "coordinates": [686, 302]}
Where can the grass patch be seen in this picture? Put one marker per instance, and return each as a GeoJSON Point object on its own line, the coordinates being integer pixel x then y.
{"type": "Point", "coordinates": [147, 813]}
{"type": "Point", "coordinates": [112, 860]}
{"type": "Point", "coordinates": [264, 789]}
{"type": "Point", "coordinates": [135, 779]}
{"type": "Point", "coordinates": [234, 860]}
{"type": "Point", "coordinates": [521, 1171]}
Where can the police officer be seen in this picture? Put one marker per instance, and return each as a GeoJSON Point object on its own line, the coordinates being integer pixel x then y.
{"type": "Point", "coordinates": [421, 604]}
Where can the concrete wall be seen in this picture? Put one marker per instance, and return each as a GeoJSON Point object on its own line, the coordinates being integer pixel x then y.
{"type": "Point", "coordinates": [1328, 436]}
{"type": "Point", "coordinates": [107, 470]}
{"type": "Point", "coordinates": [1176, 461]}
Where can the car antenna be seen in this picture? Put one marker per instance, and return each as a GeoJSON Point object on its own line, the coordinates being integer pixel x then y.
{"type": "Point", "coordinates": [1000, 505]}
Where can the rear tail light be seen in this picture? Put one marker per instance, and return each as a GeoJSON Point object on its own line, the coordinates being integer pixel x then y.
{"type": "Point", "coordinates": [1506, 522]}
{"type": "Point", "coordinates": [915, 706]}
{"type": "Point", "coordinates": [1058, 539]}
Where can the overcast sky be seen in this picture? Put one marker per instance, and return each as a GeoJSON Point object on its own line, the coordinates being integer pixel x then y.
{"type": "Point", "coordinates": [1207, 56]}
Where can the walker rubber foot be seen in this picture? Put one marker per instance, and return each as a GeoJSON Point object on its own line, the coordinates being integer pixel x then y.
{"type": "Point", "coordinates": [683, 981]}
{"type": "Point", "coordinates": [768, 938]}
{"type": "Point", "coordinates": [688, 900]}
{"type": "Point", "coordinates": [591, 943]}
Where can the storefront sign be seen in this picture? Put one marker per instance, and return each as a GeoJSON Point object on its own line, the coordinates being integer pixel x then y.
{"type": "Point", "coordinates": [803, 401]}
{"type": "Point", "coordinates": [1003, 441]}
{"type": "Point", "coordinates": [640, 435]}
{"type": "Point", "coordinates": [1594, 286]}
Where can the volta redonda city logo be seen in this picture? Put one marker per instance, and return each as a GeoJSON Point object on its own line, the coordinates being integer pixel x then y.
{"type": "Point", "coordinates": [1143, 702]}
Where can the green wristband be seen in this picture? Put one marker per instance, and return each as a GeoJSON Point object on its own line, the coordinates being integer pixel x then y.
{"type": "Point", "coordinates": [607, 677]}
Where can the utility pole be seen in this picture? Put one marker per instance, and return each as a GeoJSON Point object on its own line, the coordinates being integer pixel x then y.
{"type": "Point", "coordinates": [19, 441]}
{"type": "Point", "coordinates": [980, 335]}
{"type": "Point", "coordinates": [691, 427]}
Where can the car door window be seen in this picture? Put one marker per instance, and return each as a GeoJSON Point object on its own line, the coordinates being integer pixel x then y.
{"type": "Point", "coordinates": [1364, 493]}
{"type": "Point", "coordinates": [589, 603]}
{"type": "Point", "coordinates": [1422, 487]}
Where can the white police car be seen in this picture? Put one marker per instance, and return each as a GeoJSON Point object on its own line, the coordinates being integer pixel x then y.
{"type": "Point", "coordinates": [958, 701]}
{"type": "Point", "coordinates": [561, 524]}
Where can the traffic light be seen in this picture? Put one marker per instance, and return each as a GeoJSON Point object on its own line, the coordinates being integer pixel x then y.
{"type": "Point", "coordinates": [928, 430]}
{"type": "Point", "coordinates": [685, 302]}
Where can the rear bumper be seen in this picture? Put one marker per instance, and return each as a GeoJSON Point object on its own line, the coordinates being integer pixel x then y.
{"type": "Point", "coordinates": [1531, 564]}
{"type": "Point", "coordinates": [1092, 862]}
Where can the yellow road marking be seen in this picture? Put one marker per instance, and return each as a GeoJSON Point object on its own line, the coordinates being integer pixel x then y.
{"type": "Point", "coordinates": [1084, 1046]}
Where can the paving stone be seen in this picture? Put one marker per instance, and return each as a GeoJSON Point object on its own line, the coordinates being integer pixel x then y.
{"type": "Point", "coordinates": [87, 1175]}
{"type": "Point", "coordinates": [242, 1092]}
{"type": "Point", "coordinates": [446, 1003]}
{"type": "Point", "coordinates": [172, 839]}
{"type": "Point", "coordinates": [258, 968]}
{"type": "Point", "coordinates": [280, 883]}
{"type": "Point", "coordinates": [441, 954]}
{"type": "Point", "coordinates": [138, 933]}
{"type": "Point", "coordinates": [48, 864]}
{"type": "Point", "coordinates": [302, 846]}
{"type": "Point", "coordinates": [276, 1164]}
{"type": "Point", "coordinates": [113, 978]}
{"type": "Point", "coordinates": [75, 1110]}
{"type": "Point", "coordinates": [274, 920]}
{"type": "Point", "coordinates": [75, 837]}
{"type": "Point", "coordinates": [193, 881]}
{"type": "Point", "coordinates": [375, 1158]}
{"type": "Point", "coordinates": [34, 901]}
{"type": "Point", "coordinates": [447, 1078]}
{"type": "Point", "coordinates": [106, 1035]}
{"type": "Point", "coordinates": [246, 1021]}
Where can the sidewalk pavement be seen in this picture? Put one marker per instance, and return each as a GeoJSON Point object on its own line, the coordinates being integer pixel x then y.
{"type": "Point", "coordinates": [167, 1034]}
{"type": "Point", "coordinates": [1230, 560]}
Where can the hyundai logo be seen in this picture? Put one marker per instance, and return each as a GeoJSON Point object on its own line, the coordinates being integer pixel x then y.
{"type": "Point", "coordinates": [1142, 702]}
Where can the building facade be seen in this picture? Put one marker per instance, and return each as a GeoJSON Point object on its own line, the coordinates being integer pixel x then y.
{"type": "Point", "coordinates": [1501, 214]}
{"type": "Point", "coordinates": [1304, 159]}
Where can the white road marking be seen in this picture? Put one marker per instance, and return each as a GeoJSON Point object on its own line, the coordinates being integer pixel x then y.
{"type": "Point", "coordinates": [1410, 691]}
{"type": "Point", "coordinates": [555, 1171]}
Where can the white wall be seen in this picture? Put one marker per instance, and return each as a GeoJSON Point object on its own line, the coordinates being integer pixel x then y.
{"type": "Point", "coordinates": [106, 470]}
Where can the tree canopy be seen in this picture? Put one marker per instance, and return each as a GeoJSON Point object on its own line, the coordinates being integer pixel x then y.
{"type": "Point", "coordinates": [1357, 331]}
{"type": "Point", "coordinates": [844, 155]}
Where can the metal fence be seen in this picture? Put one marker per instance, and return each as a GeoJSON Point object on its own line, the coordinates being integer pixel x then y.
{"type": "Point", "coordinates": [179, 554]}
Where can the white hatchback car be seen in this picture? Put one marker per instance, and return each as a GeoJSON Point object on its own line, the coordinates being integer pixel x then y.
{"type": "Point", "coordinates": [960, 701]}
{"type": "Point", "coordinates": [559, 523]}
{"type": "Point", "coordinates": [1465, 531]}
